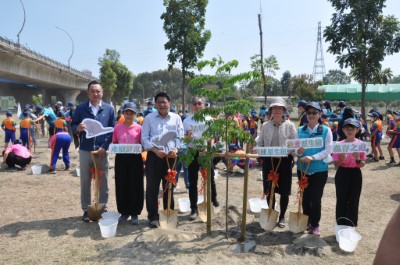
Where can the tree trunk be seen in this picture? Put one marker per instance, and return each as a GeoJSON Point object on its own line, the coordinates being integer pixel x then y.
{"type": "Point", "coordinates": [363, 91]}
{"type": "Point", "coordinates": [183, 89]}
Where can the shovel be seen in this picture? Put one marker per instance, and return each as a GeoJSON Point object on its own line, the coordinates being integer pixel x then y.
{"type": "Point", "coordinates": [298, 221]}
{"type": "Point", "coordinates": [169, 217]}
{"type": "Point", "coordinates": [95, 209]}
{"type": "Point", "coordinates": [269, 217]}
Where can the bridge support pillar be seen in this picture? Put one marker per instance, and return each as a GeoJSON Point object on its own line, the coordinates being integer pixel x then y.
{"type": "Point", "coordinates": [70, 95]}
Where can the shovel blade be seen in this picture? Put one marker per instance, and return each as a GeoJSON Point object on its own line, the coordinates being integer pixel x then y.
{"type": "Point", "coordinates": [297, 222]}
{"type": "Point", "coordinates": [202, 209]}
{"type": "Point", "coordinates": [95, 210]}
{"type": "Point", "coordinates": [268, 219]}
{"type": "Point", "coordinates": [168, 219]}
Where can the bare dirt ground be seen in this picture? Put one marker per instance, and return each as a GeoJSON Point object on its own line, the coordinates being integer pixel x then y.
{"type": "Point", "coordinates": [40, 223]}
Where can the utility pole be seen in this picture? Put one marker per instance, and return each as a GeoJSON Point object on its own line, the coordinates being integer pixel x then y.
{"type": "Point", "coordinates": [262, 59]}
{"type": "Point", "coordinates": [319, 64]}
{"type": "Point", "coordinates": [23, 23]}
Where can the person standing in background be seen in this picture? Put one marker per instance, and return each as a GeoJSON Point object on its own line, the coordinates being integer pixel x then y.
{"type": "Point", "coordinates": [48, 115]}
{"type": "Point", "coordinates": [95, 108]}
{"type": "Point", "coordinates": [302, 112]}
{"type": "Point", "coordinates": [8, 125]}
{"type": "Point", "coordinates": [68, 117]}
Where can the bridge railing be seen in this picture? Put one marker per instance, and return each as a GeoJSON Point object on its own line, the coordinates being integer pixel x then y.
{"type": "Point", "coordinates": [16, 47]}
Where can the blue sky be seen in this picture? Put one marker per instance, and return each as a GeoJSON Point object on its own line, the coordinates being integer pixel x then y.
{"type": "Point", "coordinates": [134, 29]}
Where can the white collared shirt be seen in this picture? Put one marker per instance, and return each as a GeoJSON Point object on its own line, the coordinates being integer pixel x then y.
{"type": "Point", "coordinates": [95, 109]}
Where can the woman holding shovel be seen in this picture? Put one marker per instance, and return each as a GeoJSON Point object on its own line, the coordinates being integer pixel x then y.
{"type": "Point", "coordinates": [317, 171]}
{"type": "Point", "coordinates": [129, 189]}
{"type": "Point", "coordinates": [275, 132]}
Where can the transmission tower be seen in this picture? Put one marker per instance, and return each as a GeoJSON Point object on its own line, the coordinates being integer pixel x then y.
{"type": "Point", "coordinates": [319, 64]}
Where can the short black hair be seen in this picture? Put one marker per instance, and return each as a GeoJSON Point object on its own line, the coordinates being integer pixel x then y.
{"type": "Point", "coordinates": [93, 82]}
{"type": "Point", "coordinates": [162, 95]}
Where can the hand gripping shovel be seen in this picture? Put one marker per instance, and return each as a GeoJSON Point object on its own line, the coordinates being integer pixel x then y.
{"type": "Point", "coordinates": [168, 217]}
{"type": "Point", "coordinates": [95, 209]}
{"type": "Point", "coordinates": [269, 217]}
{"type": "Point", "coordinates": [202, 207]}
{"type": "Point", "coordinates": [298, 221]}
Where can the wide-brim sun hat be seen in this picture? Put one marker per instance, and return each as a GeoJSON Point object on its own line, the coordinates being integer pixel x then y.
{"type": "Point", "coordinates": [277, 102]}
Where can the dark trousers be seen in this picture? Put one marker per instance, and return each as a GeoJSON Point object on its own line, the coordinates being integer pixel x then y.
{"type": "Point", "coordinates": [348, 182]}
{"type": "Point", "coordinates": [129, 183]}
{"type": "Point", "coordinates": [156, 170]}
{"type": "Point", "coordinates": [75, 136]}
{"type": "Point", "coordinates": [194, 168]}
{"type": "Point", "coordinates": [284, 182]}
{"type": "Point", "coordinates": [13, 160]}
{"type": "Point", "coordinates": [312, 196]}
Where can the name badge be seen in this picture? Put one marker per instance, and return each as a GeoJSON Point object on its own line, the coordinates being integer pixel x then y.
{"type": "Point", "coordinates": [272, 151]}
{"type": "Point", "coordinates": [125, 149]}
{"type": "Point", "coordinates": [356, 147]}
{"type": "Point", "coordinates": [306, 143]}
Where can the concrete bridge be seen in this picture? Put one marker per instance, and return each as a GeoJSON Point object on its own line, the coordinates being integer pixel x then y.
{"type": "Point", "coordinates": [24, 73]}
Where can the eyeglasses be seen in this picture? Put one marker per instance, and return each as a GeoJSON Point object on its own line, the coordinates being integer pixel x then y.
{"type": "Point", "coordinates": [312, 112]}
{"type": "Point", "coordinates": [197, 103]}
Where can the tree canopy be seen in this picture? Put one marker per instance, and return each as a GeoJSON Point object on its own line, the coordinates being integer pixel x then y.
{"type": "Point", "coordinates": [115, 78]}
{"type": "Point", "coordinates": [361, 37]}
{"type": "Point", "coordinates": [184, 22]}
{"type": "Point", "coordinates": [336, 77]}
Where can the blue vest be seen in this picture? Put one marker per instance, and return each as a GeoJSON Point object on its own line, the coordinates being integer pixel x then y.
{"type": "Point", "coordinates": [315, 165]}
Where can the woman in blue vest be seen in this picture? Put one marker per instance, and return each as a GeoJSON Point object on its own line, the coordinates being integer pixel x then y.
{"type": "Point", "coordinates": [318, 158]}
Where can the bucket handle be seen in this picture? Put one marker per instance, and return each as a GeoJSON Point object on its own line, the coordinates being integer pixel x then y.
{"type": "Point", "coordinates": [346, 219]}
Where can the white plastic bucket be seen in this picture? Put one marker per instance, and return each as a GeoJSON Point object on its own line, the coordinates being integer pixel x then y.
{"type": "Point", "coordinates": [36, 170]}
{"type": "Point", "coordinates": [255, 205]}
{"type": "Point", "coordinates": [110, 215]}
{"type": "Point", "coordinates": [78, 171]}
{"type": "Point", "coordinates": [108, 227]}
{"type": "Point", "coordinates": [348, 239]}
{"type": "Point", "coordinates": [341, 227]}
{"type": "Point", "coordinates": [200, 199]}
{"type": "Point", "coordinates": [184, 205]}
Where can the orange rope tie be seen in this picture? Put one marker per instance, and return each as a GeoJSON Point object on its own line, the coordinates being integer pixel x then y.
{"type": "Point", "coordinates": [170, 177]}
{"type": "Point", "coordinates": [203, 179]}
{"type": "Point", "coordinates": [273, 176]}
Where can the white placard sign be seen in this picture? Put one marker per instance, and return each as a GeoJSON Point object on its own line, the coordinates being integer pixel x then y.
{"type": "Point", "coordinates": [167, 141]}
{"type": "Point", "coordinates": [95, 128]}
{"type": "Point", "coordinates": [306, 143]}
{"type": "Point", "coordinates": [272, 151]}
{"type": "Point", "coordinates": [125, 149]}
{"type": "Point", "coordinates": [352, 147]}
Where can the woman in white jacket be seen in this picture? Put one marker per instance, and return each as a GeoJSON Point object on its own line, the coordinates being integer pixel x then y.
{"type": "Point", "coordinates": [275, 132]}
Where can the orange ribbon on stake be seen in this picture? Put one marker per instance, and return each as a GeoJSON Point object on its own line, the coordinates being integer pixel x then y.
{"type": "Point", "coordinates": [171, 175]}
{"type": "Point", "coordinates": [203, 179]}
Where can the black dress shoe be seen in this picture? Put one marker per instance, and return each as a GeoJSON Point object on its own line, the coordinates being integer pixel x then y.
{"type": "Point", "coordinates": [85, 217]}
{"type": "Point", "coordinates": [215, 203]}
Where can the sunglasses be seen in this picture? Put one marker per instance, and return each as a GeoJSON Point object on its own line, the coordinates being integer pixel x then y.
{"type": "Point", "coordinates": [312, 112]}
{"type": "Point", "coordinates": [197, 103]}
